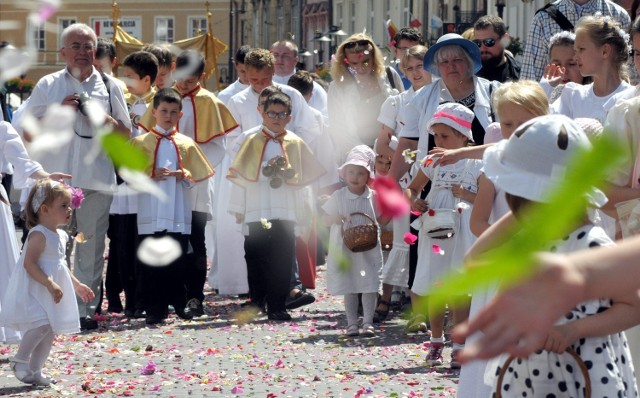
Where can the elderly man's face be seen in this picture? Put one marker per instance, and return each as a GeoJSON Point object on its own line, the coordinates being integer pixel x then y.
{"type": "Point", "coordinates": [79, 52]}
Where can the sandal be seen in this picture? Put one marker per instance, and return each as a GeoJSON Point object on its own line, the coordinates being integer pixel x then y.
{"type": "Point", "coordinates": [381, 315]}
{"type": "Point", "coordinates": [368, 330]}
{"type": "Point", "coordinates": [25, 376]}
{"type": "Point", "coordinates": [301, 298]}
{"type": "Point", "coordinates": [352, 331]}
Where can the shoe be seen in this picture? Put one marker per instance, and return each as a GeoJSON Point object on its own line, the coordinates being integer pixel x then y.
{"type": "Point", "coordinates": [88, 323]}
{"type": "Point", "coordinates": [299, 299]}
{"type": "Point", "coordinates": [129, 313]}
{"type": "Point", "coordinates": [39, 380]}
{"type": "Point", "coordinates": [23, 375]}
{"type": "Point", "coordinates": [153, 320]}
{"type": "Point", "coordinates": [455, 362]}
{"type": "Point", "coordinates": [185, 313]}
{"type": "Point", "coordinates": [279, 316]}
{"type": "Point", "coordinates": [139, 314]}
{"type": "Point", "coordinates": [380, 315]}
{"type": "Point", "coordinates": [196, 307]}
{"type": "Point", "coordinates": [352, 331]}
{"type": "Point", "coordinates": [368, 330]}
{"type": "Point", "coordinates": [418, 323]}
{"type": "Point", "coordinates": [434, 355]}
{"type": "Point", "coordinates": [115, 307]}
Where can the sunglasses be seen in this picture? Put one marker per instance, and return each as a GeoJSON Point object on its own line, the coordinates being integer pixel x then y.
{"type": "Point", "coordinates": [486, 42]}
{"type": "Point", "coordinates": [359, 43]}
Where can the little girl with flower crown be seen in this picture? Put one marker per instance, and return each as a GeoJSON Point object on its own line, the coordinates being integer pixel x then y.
{"type": "Point", "coordinates": [453, 191]}
{"type": "Point", "coordinates": [39, 300]}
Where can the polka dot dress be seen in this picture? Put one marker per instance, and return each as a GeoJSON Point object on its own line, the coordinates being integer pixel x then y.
{"type": "Point", "coordinates": [608, 359]}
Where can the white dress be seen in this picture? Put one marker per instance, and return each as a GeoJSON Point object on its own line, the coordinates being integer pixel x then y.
{"type": "Point", "coordinates": [363, 273]}
{"type": "Point", "coordinates": [433, 266]}
{"type": "Point", "coordinates": [27, 304]}
{"type": "Point", "coordinates": [607, 357]}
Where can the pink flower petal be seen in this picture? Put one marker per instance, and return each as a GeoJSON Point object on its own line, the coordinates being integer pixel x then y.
{"type": "Point", "coordinates": [437, 250]}
{"type": "Point", "coordinates": [410, 238]}
{"type": "Point", "coordinates": [390, 200]}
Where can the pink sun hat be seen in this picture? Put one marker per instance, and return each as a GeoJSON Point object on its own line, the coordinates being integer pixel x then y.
{"type": "Point", "coordinates": [360, 155]}
{"type": "Point", "coordinates": [454, 115]}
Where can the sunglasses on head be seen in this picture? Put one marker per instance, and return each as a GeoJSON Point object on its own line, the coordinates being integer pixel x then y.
{"type": "Point", "coordinates": [359, 43]}
{"type": "Point", "coordinates": [486, 42]}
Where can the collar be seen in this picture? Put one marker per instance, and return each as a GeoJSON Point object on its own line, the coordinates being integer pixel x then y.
{"type": "Point", "coordinates": [278, 137]}
{"type": "Point", "coordinates": [192, 93]}
{"type": "Point", "coordinates": [157, 130]}
{"type": "Point", "coordinates": [94, 74]}
{"type": "Point", "coordinates": [283, 79]}
{"type": "Point", "coordinates": [367, 193]}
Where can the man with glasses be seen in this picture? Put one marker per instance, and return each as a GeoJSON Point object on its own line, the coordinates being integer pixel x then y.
{"type": "Point", "coordinates": [490, 35]}
{"type": "Point", "coordinates": [285, 53]}
{"type": "Point", "coordinates": [72, 86]}
{"type": "Point", "coordinates": [402, 41]}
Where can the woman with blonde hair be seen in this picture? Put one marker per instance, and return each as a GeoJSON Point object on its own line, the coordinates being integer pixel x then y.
{"type": "Point", "coordinates": [361, 83]}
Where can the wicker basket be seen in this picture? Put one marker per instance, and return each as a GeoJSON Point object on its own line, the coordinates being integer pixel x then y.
{"type": "Point", "coordinates": [570, 351]}
{"type": "Point", "coordinates": [360, 238]}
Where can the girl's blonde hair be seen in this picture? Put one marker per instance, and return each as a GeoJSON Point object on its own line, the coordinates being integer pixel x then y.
{"type": "Point", "coordinates": [525, 93]}
{"type": "Point", "coordinates": [44, 192]}
{"type": "Point", "coordinates": [604, 30]}
{"type": "Point", "coordinates": [339, 68]}
{"type": "Point", "coordinates": [418, 52]}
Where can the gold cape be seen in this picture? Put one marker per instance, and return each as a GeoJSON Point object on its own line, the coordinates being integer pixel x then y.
{"type": "Point", "coordinates": [211, 117]}
{"type": "Point", "coordinates": [191, 160]}
{"type": "Point", "coordinates": [246, 166]}
{"type": "Point", "coordinates": [146, 98]}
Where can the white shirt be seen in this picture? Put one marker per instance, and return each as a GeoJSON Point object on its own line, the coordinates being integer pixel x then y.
{"type": "Point", "coordinates": [318, 99]}
{"type": "Point", "coordinates": [231, 90]}
{"type": "Point", "coordinates": [579, 100]}
{"type": "Point", "coordinates": [12, 150]}
{"type": "Point", "coordinates": [53, 88]}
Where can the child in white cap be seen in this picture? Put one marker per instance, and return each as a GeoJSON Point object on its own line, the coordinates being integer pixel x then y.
{"type": "Point", "coordinates": [445, 235]}
{"type": "Point", "coordinates": [350, 273]}
{"type": "Point", "coordinates": [527, 167]}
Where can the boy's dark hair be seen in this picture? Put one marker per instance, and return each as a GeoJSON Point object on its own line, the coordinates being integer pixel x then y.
{"type": "Point", "coordinates": [267, 91]}
{"type": "Point", "coordinates": [163, 55]}
{"type": "Point", "coordinates": [241, 53]}
{"type": "Point", "coordinates": [105, 48]}
{"type": "Point", "coordinates": [277, 99]}
{"type": "Point", "coordinates": [491, 21]}
{"type": "Point", "coordinates": [259, 59]}
{"type": "Point", "coordinates": [323, 83]}
{"type": "Point", "coordinates": [193, 60]}
{"type": "Point", "coordinates": [302, 81]}
{"type": "Point", "coordinates": [411, 34]}
{"type": "Point", "coordinates": [143, 63]}
{"type": "Point", "coordinates": [168, 95]}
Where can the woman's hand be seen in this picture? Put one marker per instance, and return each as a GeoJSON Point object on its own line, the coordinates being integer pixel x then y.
{"type": "Point", "coordinates": [458, 191]}
{"type": "Point", "coordinates": [444, 157]}
{"type": "Point", "coordinates": [559, 338]}
{"type": "Point", "coordinates": [56, 291]}
{"type": "Point", "coordinates": [553, 74]}
{"type": "Point", "coordinates": [84, 292]}
{"type": "Point", "coordinates": [419, 205]}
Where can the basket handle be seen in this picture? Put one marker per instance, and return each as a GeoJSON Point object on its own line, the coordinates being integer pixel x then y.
{"type": "Point", "coordinates": [570, 351]}
{"type": "Point", "coordinates": [358, 213]}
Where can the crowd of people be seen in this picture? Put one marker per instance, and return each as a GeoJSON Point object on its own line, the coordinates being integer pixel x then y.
{"type": "Point", "coordinates": [270, 177]}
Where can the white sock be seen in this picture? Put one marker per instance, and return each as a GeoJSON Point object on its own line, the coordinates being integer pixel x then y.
{"type": "Point", "coordinates": [369, 301]}
{"type": "Point", "coordinates": [30, 340]}
{"type": "Point", "coordinates": [351, 308]}
{"type": "Point", "coordinates": [457, 346]}
{"type": "Point", "coordinates": [437, 339]}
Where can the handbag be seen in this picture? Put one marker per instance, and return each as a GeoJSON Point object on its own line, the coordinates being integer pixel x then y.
{"type": "Point", "coordinates": [440, 223]}
{"type": "Point", "coordinates": [360, 238]}
{"type": "Point", "coordinates": [570, 351]}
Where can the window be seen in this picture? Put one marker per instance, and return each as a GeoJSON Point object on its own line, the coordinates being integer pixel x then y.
{"type": "Point", "coordinates": [352, 24]}
{"type": "Point", "coordinates": [37, 36]}
{"type": "Point", "coordinates": [372, 19]}
{"type": "Point", "coordinates": [196, 26]}
{"type": "Point", "coordinates": [62, 24]}
{"type": "Point", "coordinates": [164, 30]}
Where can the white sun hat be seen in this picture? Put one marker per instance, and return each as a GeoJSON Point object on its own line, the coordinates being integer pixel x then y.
{"type": "Point", "coordinates": [532, 162]}
{"type": "Point", "coordinates": [454, 115]}
{"type": "Point", "coordinates": [360, 155]}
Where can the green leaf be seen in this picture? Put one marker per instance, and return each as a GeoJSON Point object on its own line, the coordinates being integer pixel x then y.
{"type": "Point", "coordinates": [122, 153]}
{"type": "Point", "coordinates": [538, 225]}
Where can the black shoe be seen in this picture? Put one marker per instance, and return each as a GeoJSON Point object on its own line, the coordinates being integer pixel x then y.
{"type": "Point", "coordinates": [279, 316]}
{"type": "Point", "coordinates": [153, 320]}
{"type": "Point", "coordinates": [129, 313]}
{"type": "Point", "coordinates": [115, 309]}
{"type": "Point", "coordinates": [184, 313]}
{"type": "Point", "coordinates": [300, 299]}
{"type": "Point", "coordinates": [196, 307]}
{"type": "Point", "coordinates": [139, 314]}
{"type": "Point", "coordinates": [88, 323]}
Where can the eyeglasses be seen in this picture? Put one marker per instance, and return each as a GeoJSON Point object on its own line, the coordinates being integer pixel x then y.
{"type": "Point", "coordinates": [78, 47]}
{"type": "Point", "coordinates": [486, 42]}
{"type": "Point", "coordinates": [277, 115]}
{"type": "Point", "coordinates": [359, 43]}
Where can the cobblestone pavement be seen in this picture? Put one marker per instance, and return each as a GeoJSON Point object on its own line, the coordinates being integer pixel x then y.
{"type": "Point", "coordinates": [214, 357]}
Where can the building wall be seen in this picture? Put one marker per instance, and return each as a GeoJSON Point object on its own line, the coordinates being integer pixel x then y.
{"type": "Point", "coordinates": [142, 16]}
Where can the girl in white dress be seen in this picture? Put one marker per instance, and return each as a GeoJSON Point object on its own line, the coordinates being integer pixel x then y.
{"type": "Point", "coordinates": [39, 300]}
{"type": "Point", "coordinates": [350, 273]}
{"type": "Point", "coordinates": [593, 328]}
{"type": "Point", "coordinates": [453, 192]}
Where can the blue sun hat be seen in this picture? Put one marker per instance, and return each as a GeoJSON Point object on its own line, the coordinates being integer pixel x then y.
{"type": "Point", "coordinates": [452, 39]}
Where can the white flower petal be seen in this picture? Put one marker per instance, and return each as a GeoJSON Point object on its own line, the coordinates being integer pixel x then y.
{"type": "Point", "coordinates": [159, 252]}
{"type": "Point", "coordinates": [141, 182]}
{"type": "Point", "coordinates": [15, 62]}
